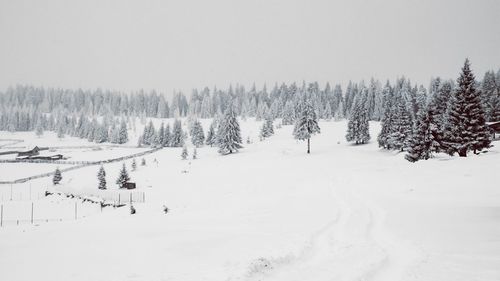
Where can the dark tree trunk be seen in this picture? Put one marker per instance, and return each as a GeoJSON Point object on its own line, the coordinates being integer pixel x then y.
{"type": "Point", "coordinates": [309, 145]}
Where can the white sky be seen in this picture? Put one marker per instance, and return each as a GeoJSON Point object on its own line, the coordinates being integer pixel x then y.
{"type": "Point", "coordinates": [167, 45]}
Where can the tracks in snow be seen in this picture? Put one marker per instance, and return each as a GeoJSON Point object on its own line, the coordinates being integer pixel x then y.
{"type": "Point", "coordinates": [355, 245]}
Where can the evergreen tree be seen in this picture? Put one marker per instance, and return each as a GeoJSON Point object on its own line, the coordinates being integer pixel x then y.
{"type": "Point", "coordinates": [184, 153]}
{"type": "Point", "coordinates": [267, 128]}
{"type": "Point", "coordinates": [424, 139]}
{"type": "Point", "coordinates": [39, 128]}
{"type": "Point", "coordinates": [228, 133]}
{"type": "Point", "coordinates": [195, 154]}
{"type": "Point", "coordinates": [123, 133]}
{"type": "Point", "coordinates": [197, 135]}
{"type": "Point", "coordinates": [166, 136]}
{"type": "Point", "coordinates": [211, 135]}
{"type": "Point", "coordinates": [466, 118]}
{"type": "Point", "coordinates": [358, 126]}
{"type": "Point", "coordinates": [57, 177]}
{"type": "Point", "coordinates": [306, 124]}
{"type": "Point", "coordinates": [177, 137]}
{"type": "Point", "coordinates": [101, 177]}
{"type": "Point", "coordinates": [402, 128]}
{"type": "Point", "coordinates": [123, 178]}
{"type": "Point", "coordinates": [143, 162]}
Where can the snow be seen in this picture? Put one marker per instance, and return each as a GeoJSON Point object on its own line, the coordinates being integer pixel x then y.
{"type": "Point", "coordinates": [272, 212]}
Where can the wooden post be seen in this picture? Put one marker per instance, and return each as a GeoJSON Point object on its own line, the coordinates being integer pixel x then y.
{"type": "Point", "coordinates": [143, 197]}
{"type": "Point", "coordinates": [119, 198]}
{"type": "Point", "coordinates": [130, 198]}
{"type": "Point", "coordinates": [31, 212]}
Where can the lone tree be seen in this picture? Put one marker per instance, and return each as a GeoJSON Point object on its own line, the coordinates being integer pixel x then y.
{"type": "Point", "coordinates": [197, 135]}
{"type": "Point", "coordinates": [123, 177]}
{"type": "Point", "coordinates": [57, 177]}
{"type": "Point", "coordinates": [466, 118]}
{"type": "Point", "coordinates": [101, 176]}
{"type": "Point", "coordinates": [228, 133]}
{"type": "Point", "coordinates": [306, 124]}
{"type": "Point", "coordinates": [267, 128]}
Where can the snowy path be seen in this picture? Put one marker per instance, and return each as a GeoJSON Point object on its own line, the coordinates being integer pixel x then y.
{"type": "Point", "coordinates": [354, 245]}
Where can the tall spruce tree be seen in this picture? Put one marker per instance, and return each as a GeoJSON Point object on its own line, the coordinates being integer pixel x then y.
{"type": "Point", "coordinates": [101, 177]}
{"type": "Point", "coordinates": [211, 135]}
{"type": "Point", "coordinates": [228, 133]}
{"type": "Point", "coordinates": [177, 136]}
{"type": "Point", "coordinates": [425, 137]}
{"type": "Point", "coordinates": [123, 177]}
{"type": "Point", "coordinates": [306, 124]}
{"type": "Point", "coordinates": [358, 125]}
{"type": "Point", "coordinates": [466, 118]}
{"type": "Point", "coordinates": [197, 135]}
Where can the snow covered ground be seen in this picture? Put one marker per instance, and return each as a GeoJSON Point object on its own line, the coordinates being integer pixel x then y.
{"type": "Point", "coordinates": [272, 212]}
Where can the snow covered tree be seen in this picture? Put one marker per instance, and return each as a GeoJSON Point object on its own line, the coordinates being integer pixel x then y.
{"type": "Point", "coordinates": [228, 133]}
{"type": "Point", "coordinates": [197, 135]}
{"type": "Point", "coordinates": [424, 139]}
{"type": "Point", "coordinates": [56, 179]}
{"type": "Point", "coordinates": [267, 128]}
{"type": "Point", "coordinates": [166, 136]}
{"type": "Point", "coordinates": [123, 177]}
{"type": "Point", "coordinates": [466, 117]}
{"type": "Point", "coordinates": [184, 153]}
{"type": "Point", "coordinates": [358, 126]}
{"type": "Point", "coordinates": [123, 133]}
{"type": "Point", "coordinates": [143, 162]}
{"type": "Point", "coordinates": [39, 128]}
{"type": "Point", "coordinates": [177, 136]}
{"type": "Point", "coordinates": [306, 124]}
{"type": "Point", "coordinates": [402, 127]}
{"type": "Point", "coordinates": [288, 113]}
{"type": "Point", "coordinates": [211, 135]}
{"type": "Point", "coordinates": [101, 177]}
{"type": "Point", "coordinates": [195, 154]}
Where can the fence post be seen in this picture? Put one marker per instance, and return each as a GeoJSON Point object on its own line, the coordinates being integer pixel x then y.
{"type": "Point", "coordinates": [31, 212]}
{"type": "Point", "coordinates": [131, 198]}
{"type": "Point", "coordinates": [143, 197]}
{"type": "Point", "coordinates": [118, 198]}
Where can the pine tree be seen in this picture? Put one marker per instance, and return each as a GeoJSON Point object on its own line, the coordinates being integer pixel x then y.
{"type": "Point", "coordinates": [228, 133]}
{"type": "Point", "coordinates": [211, 135]}
{"type": "Point", "coordinates": [184, 153]}
{"type": "Point", "coordinates": [166, 136]}
{"type": "Point", "coordinates": [358, 125]}
{"type": "Point", "coordinates": [101, 177]}
{"type": "Point", "coordinates": [177, 137]}
{"type": "Point", "coordinates": [424, 139]}
{"type": "Point", "coordinates": [195, 154]}
{"type": "Point", "coordinates": [143, 162]}
{"type": "Point", "coordinates": [123, 178]}
{"type": "Point", "coordinates": [466, 118]}
{"type": "Point", "coordinates": [267, 128]}
{"type": "Point", "coordinates": [402, 128]}
{"type": "Point", "coordinates": [197, 135]}
{"type": "Point", "coordinates": [57, 177]}
{"type": "Point", "coordinates": [39, 128]}
{"type": "Point", "coordinates": [288, 114]}
{"type": "Point", "coordinates": [388, 117]}
{"type": "Point", "coordinates": [123, 133]}
{"type": "Point", "coordinates": [306, 124]}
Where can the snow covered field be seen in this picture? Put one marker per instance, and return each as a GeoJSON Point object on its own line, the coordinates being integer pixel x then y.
{"type": "Point", "coordinates": [272, 212]}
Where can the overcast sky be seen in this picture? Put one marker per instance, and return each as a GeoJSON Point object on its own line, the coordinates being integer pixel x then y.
{"type": "Point", "coordinates": [167, 45]}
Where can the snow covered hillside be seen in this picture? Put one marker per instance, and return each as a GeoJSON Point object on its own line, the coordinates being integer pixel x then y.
{"type": "Point", "coordinates": [273, 212]}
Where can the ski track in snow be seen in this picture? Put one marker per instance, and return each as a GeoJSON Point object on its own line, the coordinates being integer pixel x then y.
{"type": "Point", "coordinates": [354, 245]}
